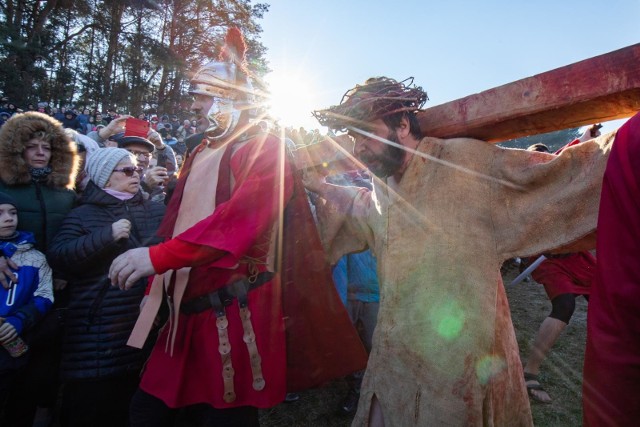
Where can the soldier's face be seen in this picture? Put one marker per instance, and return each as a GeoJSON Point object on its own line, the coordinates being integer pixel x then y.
{"type": "Point", "coordinates": [201, 106]}
{"type": "Point", "coordinates": [218, 113]}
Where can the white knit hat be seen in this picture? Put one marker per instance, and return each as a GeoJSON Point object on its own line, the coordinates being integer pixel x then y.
{"type": "Point", "coordinates": [102, 162]}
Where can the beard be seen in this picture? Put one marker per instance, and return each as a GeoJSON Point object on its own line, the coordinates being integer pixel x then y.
{"type": "Point", "coordinates": [386, 163]}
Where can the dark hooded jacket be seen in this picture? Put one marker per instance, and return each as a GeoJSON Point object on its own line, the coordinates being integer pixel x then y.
{"type": "Point", "coordinates": [70, 121]}
{"type": "Point", "coordinates": [43, 204]}
{"type": "Point", "coordinates": [100, 317]}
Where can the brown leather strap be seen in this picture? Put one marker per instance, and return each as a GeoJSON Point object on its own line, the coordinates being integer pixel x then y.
{"type": "Point", "coordinates": [249, 339]}
{"type": "Point", "coordinates": [224, 348]}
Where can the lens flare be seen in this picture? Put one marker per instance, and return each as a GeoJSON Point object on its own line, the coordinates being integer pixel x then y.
{"type": "Point", "coordinates": [489, 366]}
{"type": "Point", "coordinates": [448, 319]}
{"type": "Point", "coordinates": [292, 98]}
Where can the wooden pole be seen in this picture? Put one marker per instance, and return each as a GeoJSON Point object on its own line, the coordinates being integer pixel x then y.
{"type": "Point", "coordinates": [598, 89]}
{"type": "Point", "coordinates": [601, 88]}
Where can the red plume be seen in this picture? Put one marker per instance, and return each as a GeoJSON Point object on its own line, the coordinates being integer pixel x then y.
{"type": "Point", "coordinates": [234, 48]}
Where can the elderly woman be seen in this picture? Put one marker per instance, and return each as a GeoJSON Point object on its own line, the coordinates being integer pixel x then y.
{"type": "Point", "coordinates": [112, 217]}
{"type": "Point", "coordinates": [38, 165]}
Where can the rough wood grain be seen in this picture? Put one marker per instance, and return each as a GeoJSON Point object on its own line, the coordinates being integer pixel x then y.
{"type": "Point", "coordinates": [601, 88]}
{"type": "Point", "coordinates": [598, 89]}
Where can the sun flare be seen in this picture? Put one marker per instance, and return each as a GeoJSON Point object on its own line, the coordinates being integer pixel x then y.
{"type": "Point", "coordinates": [292, 99]}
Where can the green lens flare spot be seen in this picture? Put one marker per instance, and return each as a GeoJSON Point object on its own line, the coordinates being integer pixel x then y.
{"type": "Point", "coordinates": [489, 366]}
{"type": "Point", "coordinates": [449, 320]}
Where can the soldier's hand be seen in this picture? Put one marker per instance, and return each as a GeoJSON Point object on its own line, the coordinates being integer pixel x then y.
{"type": "Point", "coordinates": [130, 267]}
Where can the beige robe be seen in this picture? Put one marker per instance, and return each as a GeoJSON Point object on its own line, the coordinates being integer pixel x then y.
{"type": "Point", "coordinates": [444, 350]}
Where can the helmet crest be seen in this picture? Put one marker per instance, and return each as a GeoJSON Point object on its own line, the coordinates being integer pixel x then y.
{"type": "Point", "coordinates": [234, 48]}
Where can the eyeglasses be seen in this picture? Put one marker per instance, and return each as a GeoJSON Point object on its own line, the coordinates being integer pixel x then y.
{"type": "Point", "coordinates": [129, 170]}
{"type": "Point", "coordinates": [140, 153]}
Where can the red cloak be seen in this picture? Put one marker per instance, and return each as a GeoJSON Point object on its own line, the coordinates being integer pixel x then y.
{"type": "Point", "coordinates": [611, 382]}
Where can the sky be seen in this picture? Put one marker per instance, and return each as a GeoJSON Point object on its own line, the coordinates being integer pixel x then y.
{"type": "Point", "coordinates": [453, 48]}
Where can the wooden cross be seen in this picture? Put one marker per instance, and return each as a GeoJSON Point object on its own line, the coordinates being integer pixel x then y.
{"type": "Point", "coordinates": [598, 89]}
{"type": "Point", "coordinates": [602, 88]}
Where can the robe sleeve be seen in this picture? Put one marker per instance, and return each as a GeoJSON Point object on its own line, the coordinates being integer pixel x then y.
{"type": "Point", "coordinates": [175, 253]}
{"type": "Point", "coordinates": [343, 216]}
{"type": "Point", "coordinates": [553, 201]}
{"type": "Point", "coordinates": [263, 187]}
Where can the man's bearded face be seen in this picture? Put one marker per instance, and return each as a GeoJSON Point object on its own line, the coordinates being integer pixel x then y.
{"type": "Point", "coordinates": [381, 159]}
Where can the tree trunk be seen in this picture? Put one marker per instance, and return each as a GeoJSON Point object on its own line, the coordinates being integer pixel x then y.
{"type": "Point", "coordinates": [137, 86]}
{"type": "Point", "coordinates": [115, 26]}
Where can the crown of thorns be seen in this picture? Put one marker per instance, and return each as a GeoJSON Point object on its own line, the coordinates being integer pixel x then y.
{"type": "Point", "coordinates": [377, 98]}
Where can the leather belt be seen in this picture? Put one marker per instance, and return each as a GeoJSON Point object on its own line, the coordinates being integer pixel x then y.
{"type": "Point", "coordinates": [225, 294]}
{"type": "Point", "coordinates": [217, 301]}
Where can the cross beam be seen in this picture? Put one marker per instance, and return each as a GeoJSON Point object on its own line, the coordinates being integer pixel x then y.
{"type": "Point", "coordinates": [598, 89]}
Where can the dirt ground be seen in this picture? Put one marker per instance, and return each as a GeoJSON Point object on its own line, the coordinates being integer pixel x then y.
{"type": "Point", "coordinates": [561, 373]}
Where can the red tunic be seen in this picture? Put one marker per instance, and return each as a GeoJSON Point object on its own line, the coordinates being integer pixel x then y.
{"type": "Point", "coordinates": [611, 383]}
{"type": "Point", "coordinates": [242, 227]}
{"type": "Point", "coordinates": [570, 274]}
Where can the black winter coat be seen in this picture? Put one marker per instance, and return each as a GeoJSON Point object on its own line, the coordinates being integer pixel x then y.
{"type": "Point", "coordinates": [100, 317]}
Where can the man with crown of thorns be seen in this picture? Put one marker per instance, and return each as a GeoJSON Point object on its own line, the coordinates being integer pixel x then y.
{"type": "Point", "coordinates": [223, 353]}
{"type": "Point", "coordinates": [442, 217]}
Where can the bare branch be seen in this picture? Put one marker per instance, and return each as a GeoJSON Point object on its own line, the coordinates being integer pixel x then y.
{"type": "Point", "coordinates": [73, 35]}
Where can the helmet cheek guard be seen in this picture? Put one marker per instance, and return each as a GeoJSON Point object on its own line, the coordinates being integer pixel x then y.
{"type": "Point", "coordinates": [223, 117]}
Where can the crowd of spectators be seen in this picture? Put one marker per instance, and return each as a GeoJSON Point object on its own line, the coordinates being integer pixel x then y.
{"type": "Point", "coordinates": [115, 185]}
{"type": "Point", "coordinates": [85, 120]}
{"type": "Point", "coordinates": [173, 129]}
{"type": "Point", "coordinates": [87, 172]}
{"type": "Point", "coordinates": [302, 137]}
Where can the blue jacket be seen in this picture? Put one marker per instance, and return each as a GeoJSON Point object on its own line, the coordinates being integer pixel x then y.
{"type": "Point", "coordinates": [355, 276]}
{"type": "Point", "coordinates": [27, 301]}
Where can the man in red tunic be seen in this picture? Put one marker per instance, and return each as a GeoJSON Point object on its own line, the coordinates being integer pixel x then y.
{"type": "Point", "coordinates": [565, 277]}
{"type": "Point", "coordinates": [222, 355]}
{"type": "Point", "coordinates": [611, 382]}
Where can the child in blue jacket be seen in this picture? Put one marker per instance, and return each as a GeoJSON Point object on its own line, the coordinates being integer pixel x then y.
{"type": "Point", "coordinates": [27, 298]}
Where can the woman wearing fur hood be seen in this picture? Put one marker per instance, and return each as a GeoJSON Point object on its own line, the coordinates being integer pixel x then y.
{"type": "Point", "coordinates": [38, 166]}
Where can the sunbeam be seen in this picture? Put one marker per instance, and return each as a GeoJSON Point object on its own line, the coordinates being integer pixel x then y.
{"type": "Point", "coordinates": [292, 98]}
{"type": "Point", "coordinates": [435, 159]}
{"type": "Point", "coordinates": [378, 183]}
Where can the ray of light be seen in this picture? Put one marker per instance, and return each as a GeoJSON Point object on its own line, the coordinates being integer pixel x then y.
{"type": "Point", "coordinates": [380, 183]}
{"type": "Point", "coordinates": [435, 159]}
{"type": "Point", "coordinates": [281, 208]}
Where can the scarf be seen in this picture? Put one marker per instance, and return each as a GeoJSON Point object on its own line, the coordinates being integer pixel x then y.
{"type": "Point", "coordinates": [39, 174]}
{"type": "Point", "coordinates": [120, 195]}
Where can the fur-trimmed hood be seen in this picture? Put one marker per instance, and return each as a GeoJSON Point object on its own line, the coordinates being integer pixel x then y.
{"type": "Point", "coordinates": [17, 131]}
